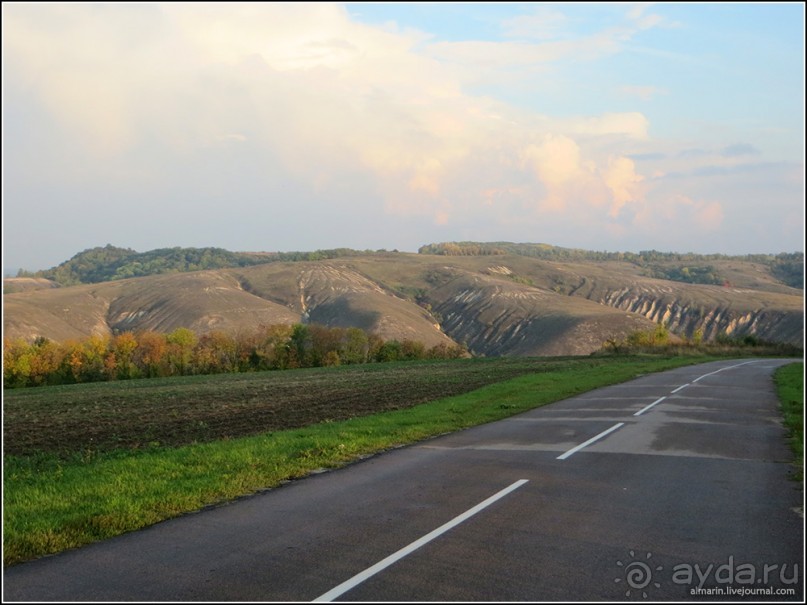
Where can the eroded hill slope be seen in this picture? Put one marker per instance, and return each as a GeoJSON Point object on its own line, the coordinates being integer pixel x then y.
{"type": "Point", "coordinates": [502, 305]}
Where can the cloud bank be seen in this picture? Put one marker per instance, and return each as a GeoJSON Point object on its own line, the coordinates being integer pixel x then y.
{"type": "Point", "coordinates": [278, 113]}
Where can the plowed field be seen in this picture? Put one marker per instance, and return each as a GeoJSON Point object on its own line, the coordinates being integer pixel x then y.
{"type": "Point", "coordinates": [131, 414]}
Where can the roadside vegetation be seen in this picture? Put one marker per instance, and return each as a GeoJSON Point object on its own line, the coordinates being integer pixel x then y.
{"type": "Point", "coordinates": [182, 352]}
{"type": "Point", "coordinates": [86, 462]}
{"type": "Point", "coordinates": [790, 386]}
{"type": "Point", "coordinates": [660, 341]}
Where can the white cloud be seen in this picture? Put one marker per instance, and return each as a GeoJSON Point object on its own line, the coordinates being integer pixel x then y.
{"type": "Point", "coordinates": [739, 149]}
{"type": "Point", "coordinates": [557, 163]}
{"type": "Point", "coordinates": [486, 56]}
{"type": "Point", "coordinates": [323, 95]}
{"type": "Point", "coordinates": [641, 20]}
{"type": "Point", "coordinates": [212, 98]}
{"type": "Point", "coordinates": [645, 93]}
{"type": "Point", "coordinates": [623, 182]}
{"type": "Point", "coordinates": [543, 23]}
{"type": "Point", "coordinates": [698, 216]}
{"type": "Point", "coordinates": [632, 125]}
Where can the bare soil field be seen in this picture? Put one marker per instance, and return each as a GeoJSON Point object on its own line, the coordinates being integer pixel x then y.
{"type": "Point", "coordinates": [96, 417]}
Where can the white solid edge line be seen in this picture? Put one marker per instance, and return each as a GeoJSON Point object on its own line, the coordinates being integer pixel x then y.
{"type": "Point", "coordinates": [726, 368]}
{"type": "Point", "coordinates": [396, 556]}
{"type": "Point", "coordinates": [590, 441]}
{"type": "Point", "coordinates": [683, 386]}
{"type": "Point", "coordinates": [647, 407]}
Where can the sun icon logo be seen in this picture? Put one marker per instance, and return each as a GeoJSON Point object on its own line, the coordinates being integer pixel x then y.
{"type": "Point", "coordinates": [638, 575]}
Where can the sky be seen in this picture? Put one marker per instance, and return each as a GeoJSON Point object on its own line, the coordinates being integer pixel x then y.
{"type": "Point", "coordinates": [300, 126]}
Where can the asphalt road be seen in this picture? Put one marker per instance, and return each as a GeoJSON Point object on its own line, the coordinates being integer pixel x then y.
{"type": "Point", "coordinates": [649, 490]}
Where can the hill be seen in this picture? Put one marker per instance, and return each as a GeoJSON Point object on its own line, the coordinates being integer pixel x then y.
{"type": "Point", "coordinates": [787, 268]}
{"type": "Point", "coordinates": [501, 303]}
{"type": "Point", "coordinates": [24, 284]}
{"type": "Point", "coordinates": [109, 263]}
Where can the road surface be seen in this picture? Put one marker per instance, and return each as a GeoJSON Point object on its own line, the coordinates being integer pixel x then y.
{"type": "Point", "coordinates": [673, 486]}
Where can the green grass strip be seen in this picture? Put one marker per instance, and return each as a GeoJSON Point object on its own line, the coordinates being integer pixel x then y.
{"type": "Point", "coordinates": [790, 388]}
{"type": "Point", "coordinates": [52, 504]}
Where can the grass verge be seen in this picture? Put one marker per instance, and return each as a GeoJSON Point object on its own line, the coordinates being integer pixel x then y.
{"type": "Point", "coordinates": [790, 387]}
{"type": "Point", "coordinates": [53, 503]}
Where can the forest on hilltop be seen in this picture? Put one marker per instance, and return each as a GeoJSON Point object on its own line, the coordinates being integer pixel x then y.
{"type": "Point", "coordinates": [110, 263]}
{"type": "Point", "coordinates": [684, 267]}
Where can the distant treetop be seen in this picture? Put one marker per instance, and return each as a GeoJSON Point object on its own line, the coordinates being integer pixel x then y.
{"type": "Point", "coordinates": [786, 267]}
{"type": "Point", "coordinates": [109, 263]}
